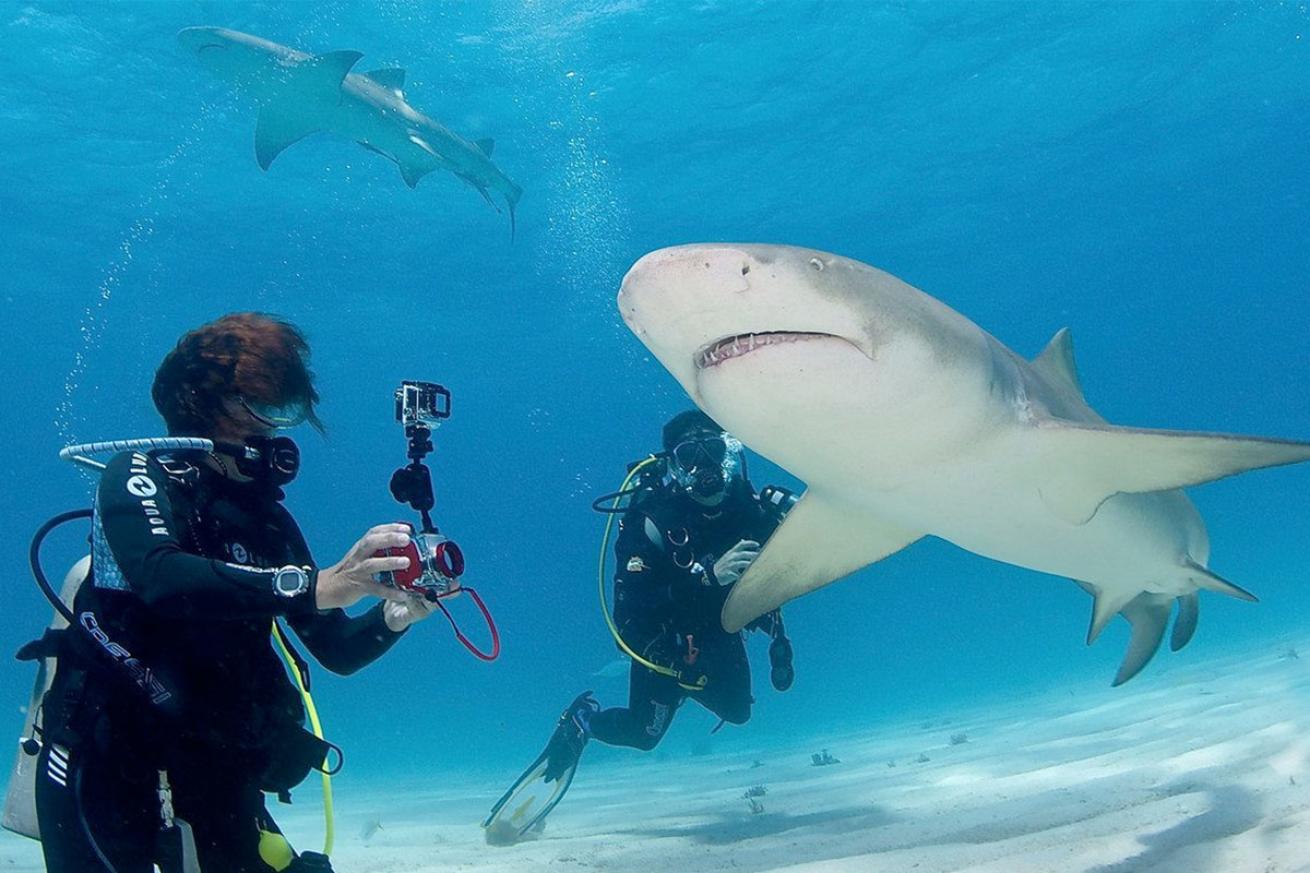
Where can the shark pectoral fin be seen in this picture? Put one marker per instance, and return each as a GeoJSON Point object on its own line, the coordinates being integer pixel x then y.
{"type": "Point", "coordinates": [277, 128]}
{"type": "Point", "coordinates": [1094, 462]}
{"type": "Point", "coordinates": [485, 145]}
{"type": "Point", "coordinates": [1056, 362]}
{"type": "Point", "coordinates": [817, 543]}
{"type": "Point", "coordinates": [392, 78]}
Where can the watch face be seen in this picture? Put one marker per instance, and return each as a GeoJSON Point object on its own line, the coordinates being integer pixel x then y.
{"type": "Point", "coordinates": [290, 581]}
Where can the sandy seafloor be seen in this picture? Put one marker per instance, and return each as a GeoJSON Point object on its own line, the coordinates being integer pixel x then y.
{"type": "Point", "coordinates": [1207, 768]}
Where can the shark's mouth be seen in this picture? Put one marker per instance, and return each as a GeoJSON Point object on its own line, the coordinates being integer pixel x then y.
{"type": "Point", "coordinates": [745, 343]}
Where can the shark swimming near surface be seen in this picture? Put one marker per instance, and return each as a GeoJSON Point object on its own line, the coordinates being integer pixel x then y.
{"type": "Point", "coordinates": [300, 94]}
{"type": "Point", "coordinates": [905, 419]}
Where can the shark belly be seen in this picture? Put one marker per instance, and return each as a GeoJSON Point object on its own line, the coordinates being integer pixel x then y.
{"type": "Point", "coordinates": [1134, 542]}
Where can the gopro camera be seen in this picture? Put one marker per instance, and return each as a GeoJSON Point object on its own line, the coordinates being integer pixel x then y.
{"type": "Point", "coordinates": [425, 403]}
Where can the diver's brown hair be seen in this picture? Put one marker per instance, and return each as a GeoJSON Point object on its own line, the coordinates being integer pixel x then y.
{"type": "Point", "coordinates": [246, 354]}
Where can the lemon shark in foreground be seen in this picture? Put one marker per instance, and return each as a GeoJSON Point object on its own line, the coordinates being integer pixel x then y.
{"type": "Point", "coordinates": [301, 94]}
{"type": "Point", "coordinates": [906, 419]}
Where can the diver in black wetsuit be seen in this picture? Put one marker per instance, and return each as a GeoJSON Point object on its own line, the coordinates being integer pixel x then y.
{"type": "Point", "coordinates": [681, 547]}
{"type": "Point", "coordinates": [193, 559]}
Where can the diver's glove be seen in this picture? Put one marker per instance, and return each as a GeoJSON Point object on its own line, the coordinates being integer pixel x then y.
{"type": "Point", "coordinates": [729, 568]}
{"type": "Point", "coordinates": [310, 862]}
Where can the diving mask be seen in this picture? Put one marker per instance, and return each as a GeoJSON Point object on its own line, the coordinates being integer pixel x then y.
{"type": "Point", "coordinates": [279, 417]}
{"type": "Point", "coordinates": [704, 465]}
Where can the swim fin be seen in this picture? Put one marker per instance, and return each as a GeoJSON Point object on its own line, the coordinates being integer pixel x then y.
{"type": "Point", "coordinates": [542, 785]}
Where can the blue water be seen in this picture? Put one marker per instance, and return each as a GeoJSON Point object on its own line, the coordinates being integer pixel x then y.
{"type": "Point", "coordinates": [1137, 172]}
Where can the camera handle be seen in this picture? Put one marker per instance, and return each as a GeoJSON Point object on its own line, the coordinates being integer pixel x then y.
{"type": "Point", "coordinates": [412, 483]}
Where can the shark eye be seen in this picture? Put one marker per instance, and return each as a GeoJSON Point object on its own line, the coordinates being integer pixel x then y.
{"type": "Point", "coordinates": [745, 268]}
{"type": "Point", "coordinates": [816, 264]}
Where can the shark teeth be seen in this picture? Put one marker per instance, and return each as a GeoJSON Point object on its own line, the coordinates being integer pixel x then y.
{"type": "Point", "coordinates": [742, 344]}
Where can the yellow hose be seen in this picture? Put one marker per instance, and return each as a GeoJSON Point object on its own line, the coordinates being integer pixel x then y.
{"type": "Point", "coordinates": [329, 819]}
{"type": "Point", "coordinates": [604, 601]}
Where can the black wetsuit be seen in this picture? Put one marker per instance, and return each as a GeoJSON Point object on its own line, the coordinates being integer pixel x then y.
{"type": "Point", "coordinates": [667, 606]}
{"type": "Point", "coordinates": [181, 579]}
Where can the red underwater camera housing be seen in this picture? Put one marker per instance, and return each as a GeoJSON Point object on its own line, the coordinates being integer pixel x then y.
{"type": "Point", "coordinates": [435, 565]}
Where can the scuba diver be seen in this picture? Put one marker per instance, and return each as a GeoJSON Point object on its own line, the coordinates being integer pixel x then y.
{"type": "Point", "coordinates": [682, 544]}
{"type": "Point", "coordinates": [170, 713]}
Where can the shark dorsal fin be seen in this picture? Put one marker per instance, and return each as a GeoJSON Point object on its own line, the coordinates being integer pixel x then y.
{"type": "Point", "coordinates": [486, 145]}
{"type": "Point", "coordinates": [1056, 361]}
{"type": "Point", "coordinates": [335, 65]}
{"type": "Point", "coordinates": [388, 77]}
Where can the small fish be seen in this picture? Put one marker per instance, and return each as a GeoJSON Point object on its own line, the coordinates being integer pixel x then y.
{"type": "Point", "coordinates": [613, 670]}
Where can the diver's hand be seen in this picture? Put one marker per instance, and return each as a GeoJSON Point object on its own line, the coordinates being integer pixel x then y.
{"type": "Point", "coordinates": [400, 614]}
{"type": "Point", "coordinates": [729, 568]}
{"type": "Point", "coordinates": [350, 580]}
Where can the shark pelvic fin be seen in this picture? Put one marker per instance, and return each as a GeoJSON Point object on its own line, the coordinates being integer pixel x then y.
{"type": "Point", "coordinates": [1056, 362]}
{"type": "Point", "coordinates": [392, 78]}
{"type": "Point", "coordinates": [485, 145]}
{"type": "Point", "coordinates": [819, 542]}
{"type": "Point", "coordinates": [277, 128]}
{"type": "Point", "coordinates": [1095, 462]}
{"type": "Point", "coordinates": [1104, 608]}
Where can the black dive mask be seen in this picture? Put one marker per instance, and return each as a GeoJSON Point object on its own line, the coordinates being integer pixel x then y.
{"type": "Point", "coordinates": [267, 460]}
{"type": "Point", "coordinates": [705, 467]}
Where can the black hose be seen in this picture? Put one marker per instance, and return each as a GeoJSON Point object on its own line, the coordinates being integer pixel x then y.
{"type": "Point", "coordinates": [86, 826]}
{"type": "Point", "coordinates": [34, 555]}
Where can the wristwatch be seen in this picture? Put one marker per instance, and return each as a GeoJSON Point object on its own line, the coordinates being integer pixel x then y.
{"type": "Point", "coordinates": [291, 581]}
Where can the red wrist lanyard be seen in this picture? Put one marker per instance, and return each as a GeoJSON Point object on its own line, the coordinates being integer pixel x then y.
{"type": "Point", "coordinates": [486, 616]}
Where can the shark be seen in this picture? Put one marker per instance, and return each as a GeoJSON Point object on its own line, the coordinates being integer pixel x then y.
{"type": "Point", "coordinates": [905, 419]}
{"type": "Point", "coordinates": [300, 94]}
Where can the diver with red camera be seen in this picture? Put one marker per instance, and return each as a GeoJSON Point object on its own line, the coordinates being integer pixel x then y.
{"type": "Point", "coordinates": [435, 562]}
{"type": "Point", "coordinates": [171, 715]}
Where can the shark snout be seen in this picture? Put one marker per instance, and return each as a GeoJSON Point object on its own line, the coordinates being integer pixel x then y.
{"type": "Point", "coordinates": [201, 39]}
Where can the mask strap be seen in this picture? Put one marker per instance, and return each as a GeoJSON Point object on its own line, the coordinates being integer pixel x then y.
{"type": "Point", "coordinates": [486, 616]}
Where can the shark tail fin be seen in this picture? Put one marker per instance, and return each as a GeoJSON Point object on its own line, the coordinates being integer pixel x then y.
{"type": "Point", "coordinates": [1189, 610]}
{"type": "Point", "coordinates": [1113, 460]}
{"type": "Point", "coordinates": [512, 196]}
{"type": "Point", "coordinates": [1148, 614]}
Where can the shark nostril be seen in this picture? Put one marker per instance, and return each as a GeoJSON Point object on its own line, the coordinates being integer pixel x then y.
{"type": "Point", "coordinates": [816, 264]}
